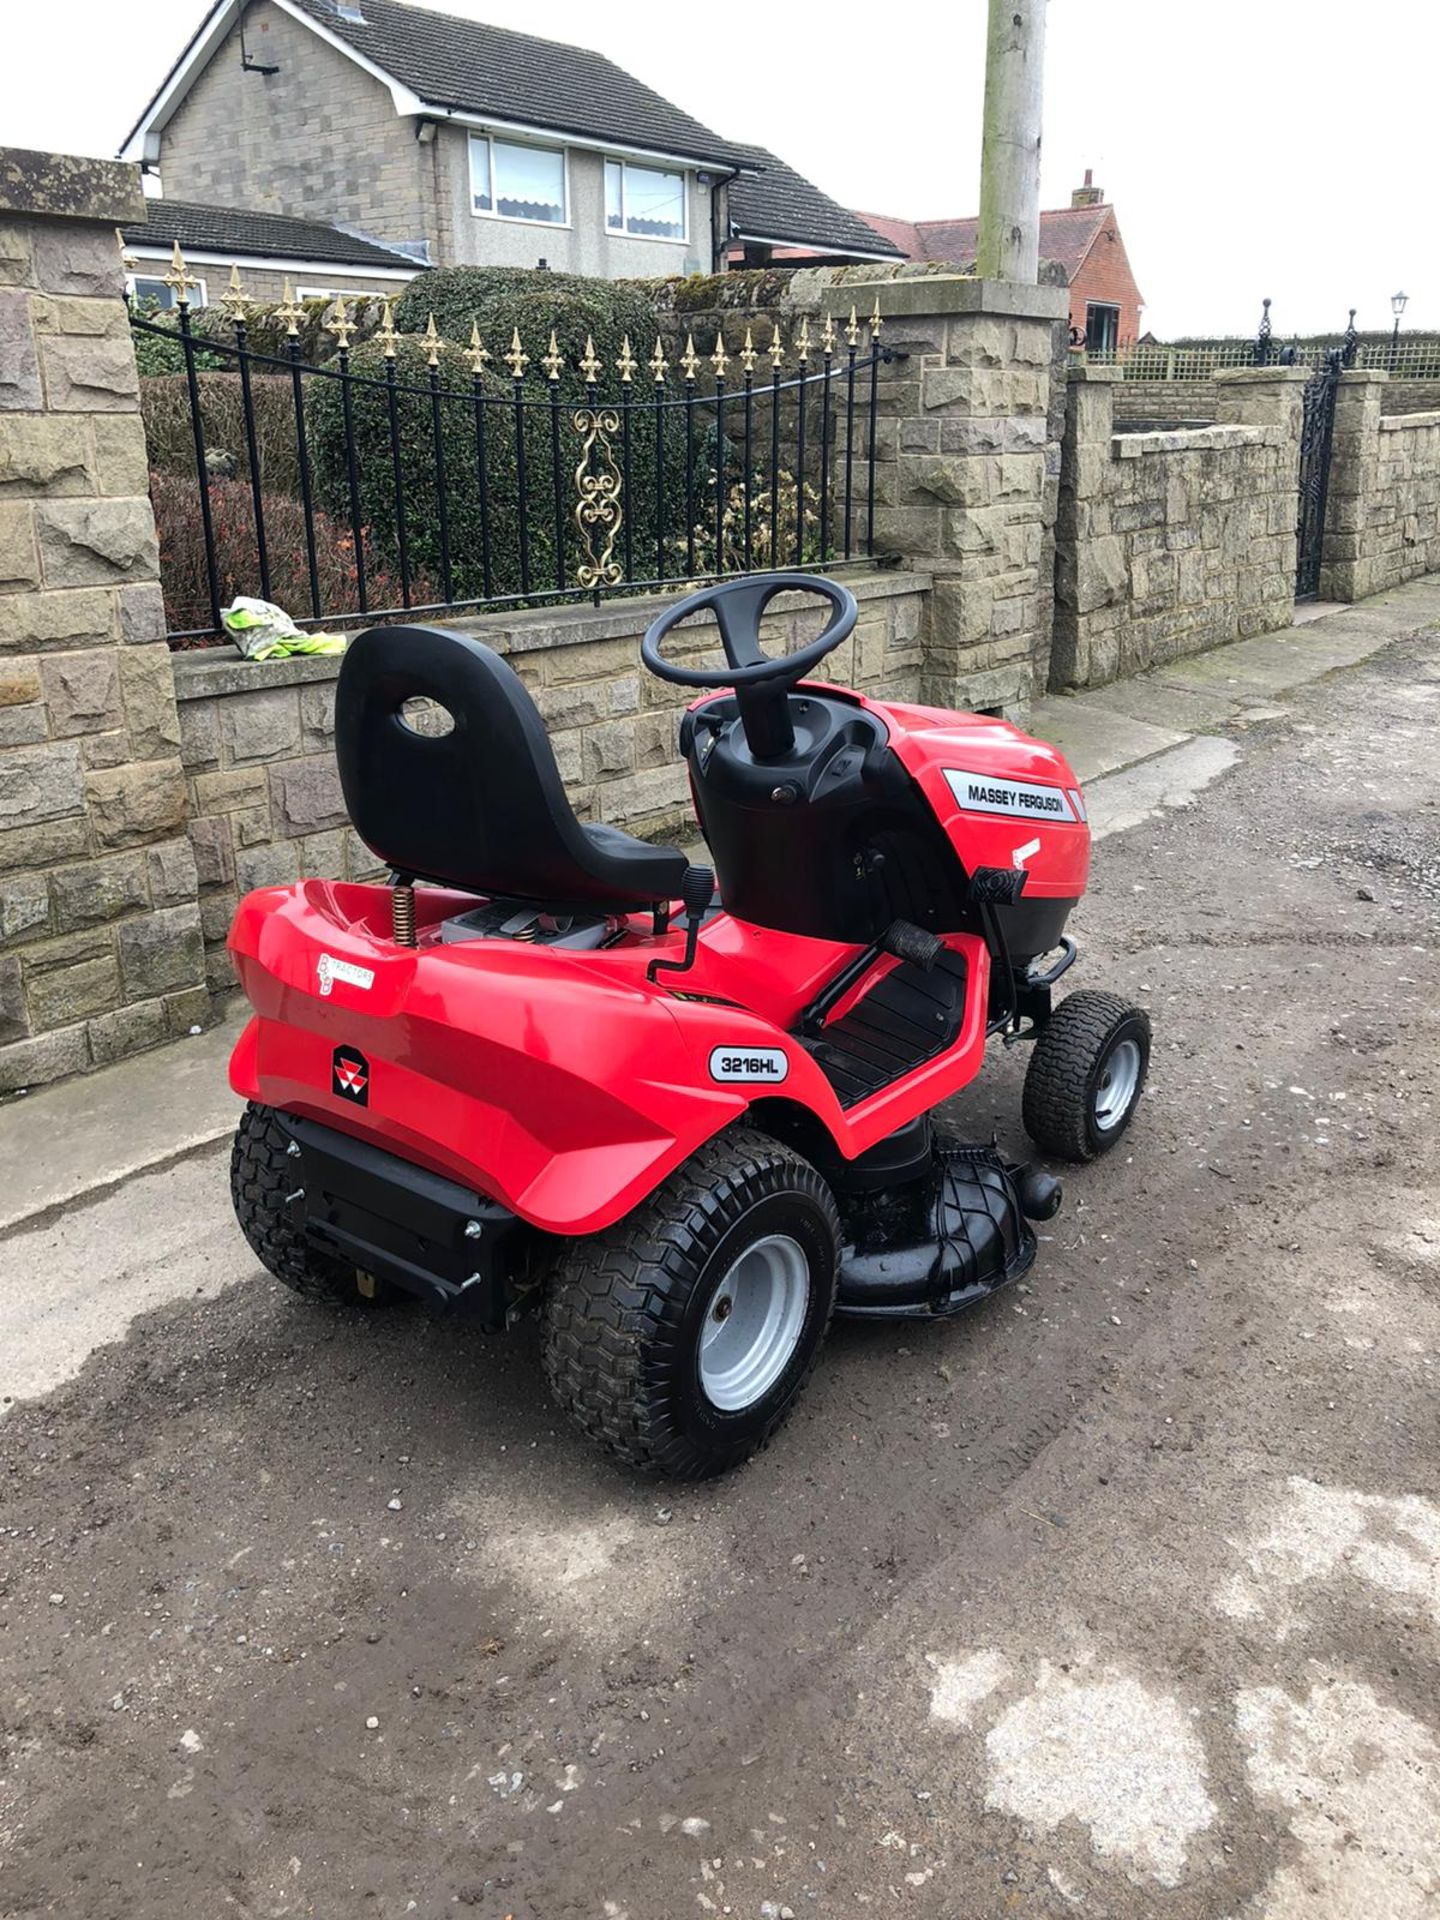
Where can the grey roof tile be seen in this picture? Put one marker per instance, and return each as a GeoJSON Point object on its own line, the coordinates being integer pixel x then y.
{"type": "Point", "coordinates": [480, 69]}
{"type": "Point", "coordinates": [780, 204]}
{"type": "Point", "coordinates": [268, 236]}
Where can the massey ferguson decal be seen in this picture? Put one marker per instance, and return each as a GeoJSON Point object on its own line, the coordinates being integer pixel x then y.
{"type": "Point", "coordinates": [328, 970]}
{"type": "Point", "coordinates": [755, 1065]}
{"type": "Point", "coordinates": [351, 1072]}
{"type": "Point", "coordinates": [983, 793]}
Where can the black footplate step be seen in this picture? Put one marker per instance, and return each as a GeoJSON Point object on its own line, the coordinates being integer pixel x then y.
{"type": "Point", "coordinates": [907, 1018]}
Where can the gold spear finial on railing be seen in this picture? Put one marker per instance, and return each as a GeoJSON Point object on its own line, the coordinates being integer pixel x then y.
{"type": "Point", "coordinates": [827, 336]}
{"type": "Point", "coordinates": [235, 300]}
{"type": "Point", "coordinates": [719, 359]}
{"type": "Point", "coordinates": [432, 343]}
{"type": "Point", "coordinates": [748, 355]}
{"type": "Point", "coordinates": [591, 365]}
{"type": "Point", "coordinates": [658, 364]}
{"type": "Point", "coordinates": [777, 345]}
{"type": "Point", "coordinates": [339, 323]}
{"type": "Point", "coordinates": [852, 330]}
{"type": "Point", "coordinates": [178, 279]}
{"type": "Point", "coordinates": [552, 360]}
{"type": "Point", "coordinates": [802, 341]}
{"type": "Point", "coordinates": [627, 363]}
{"type": "Point", "coordinates": [290, 313]}
{"type": "Point", "coordinates": [477, 352]}
{"type": "Point", "coordinates": [385, 333]}
{"type": "Point", "coordinates": [690, 360]}
{"type": "Point", "coordinates": [875, 321]}
{"type": "Point", "coordinates": [516, 357]}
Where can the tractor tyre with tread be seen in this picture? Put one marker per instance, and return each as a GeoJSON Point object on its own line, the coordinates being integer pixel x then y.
{"type": "Point", "coordinates": [634, 1319]}
{"type": "Point", "coordinates": [1086, 1075]}
{"type": "Point", "coordinates": [262, 1175]}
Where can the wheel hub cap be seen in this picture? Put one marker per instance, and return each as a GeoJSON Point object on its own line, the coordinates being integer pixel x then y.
{"type": "Point", "coordinates": [1115, 1089]}
{"type": "Point", "coordinates": [753, 1323]}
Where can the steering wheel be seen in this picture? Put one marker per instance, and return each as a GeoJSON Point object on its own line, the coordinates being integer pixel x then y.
{"type": "Point", "coordinates": [760, 681]}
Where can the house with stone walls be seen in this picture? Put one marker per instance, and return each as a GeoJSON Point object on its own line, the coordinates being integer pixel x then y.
{"type": "Point", "coordinates": [396, 138]}
{"type": "Point", "coordinates": [1083, 238]}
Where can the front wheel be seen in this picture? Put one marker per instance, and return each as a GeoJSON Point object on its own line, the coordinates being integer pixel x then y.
{"type": "Point", "coordinates": [681, 1338]}
{"type": "Point", "coordinates": [1086, 1075]}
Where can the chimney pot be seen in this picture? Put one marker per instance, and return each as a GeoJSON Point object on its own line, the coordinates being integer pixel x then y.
{"type": "Point", "coordinates": [1089, 195]}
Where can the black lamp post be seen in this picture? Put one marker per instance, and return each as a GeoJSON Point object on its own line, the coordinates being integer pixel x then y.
{"type": "Point", "coordinates": [1397, 307]}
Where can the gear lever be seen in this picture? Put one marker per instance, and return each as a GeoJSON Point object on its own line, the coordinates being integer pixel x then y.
{"type": "Point", "coordinates": [697, 890]}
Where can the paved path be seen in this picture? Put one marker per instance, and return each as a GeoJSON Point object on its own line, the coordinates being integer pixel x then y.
{"type": "Point", "coordinates": [1120, 1596]}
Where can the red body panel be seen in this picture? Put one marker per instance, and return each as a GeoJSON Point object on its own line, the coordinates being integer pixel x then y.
{"type": "Point", "coordinates": [562, 1083]}
{"type": "Point", "coordinates": [932, 743]}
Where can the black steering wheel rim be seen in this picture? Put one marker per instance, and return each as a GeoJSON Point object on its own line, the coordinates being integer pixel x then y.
{"type": "Point", "coordinates": [739, 606]}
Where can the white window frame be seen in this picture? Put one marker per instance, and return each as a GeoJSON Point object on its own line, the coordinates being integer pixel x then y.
{"type": "Point", "coordinates": [199, 292]}
{"type": "Point", "coordinates": [622, 232]}
{"type": "Point", "coordinates": [488, 140]}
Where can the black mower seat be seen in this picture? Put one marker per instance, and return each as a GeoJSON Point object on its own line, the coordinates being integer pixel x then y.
{"type": "Point", "coordinates": [481, 807]}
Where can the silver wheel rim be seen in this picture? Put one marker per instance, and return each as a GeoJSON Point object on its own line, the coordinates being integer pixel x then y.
{"type": "Point", "coordinates": [753, 1323]}
{"type": "Point", "coordinates": [1115, 1089]}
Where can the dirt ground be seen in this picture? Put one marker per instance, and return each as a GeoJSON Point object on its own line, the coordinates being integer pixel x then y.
{"type": "Point", "coordinates": [1118, 1597]}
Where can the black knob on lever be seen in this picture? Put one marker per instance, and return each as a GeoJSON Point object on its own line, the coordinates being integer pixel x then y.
{"type": "Point", "coordinates": [697, 890]}
{"type": "Point", "coordinates": [909, 942]}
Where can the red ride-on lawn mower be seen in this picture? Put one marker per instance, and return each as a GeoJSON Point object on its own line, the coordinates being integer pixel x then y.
{"type": "Point", "coordinates": [549, 1066]}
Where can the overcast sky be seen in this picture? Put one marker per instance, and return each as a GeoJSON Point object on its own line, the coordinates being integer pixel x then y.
{"type": "Point", "coordinates": [1251, 147]}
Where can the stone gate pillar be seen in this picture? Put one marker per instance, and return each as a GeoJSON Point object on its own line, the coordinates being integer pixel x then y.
{"type": "Point", "coordinates": [965, 477]}
{"type": "Point", "coordinates": [1350, 568]}
{"type": "Point", "coordinates": [100, 949]}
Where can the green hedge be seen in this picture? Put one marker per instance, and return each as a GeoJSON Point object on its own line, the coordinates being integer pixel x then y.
{"type": "Point", "coordinates": [500, 302]}
{"type": "Point", "coordinates": [418, 467]}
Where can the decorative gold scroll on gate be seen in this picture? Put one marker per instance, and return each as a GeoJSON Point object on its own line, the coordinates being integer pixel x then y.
{"type": "Point", "coordinates": [599, 511]}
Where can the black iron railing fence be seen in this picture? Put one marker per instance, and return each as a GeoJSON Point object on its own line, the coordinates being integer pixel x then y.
{"type": "Point", "coordinates": [416, 476]}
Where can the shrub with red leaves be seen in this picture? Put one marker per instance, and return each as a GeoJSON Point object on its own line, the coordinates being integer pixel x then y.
{"type": "Point", "coordinates": [185, 581]}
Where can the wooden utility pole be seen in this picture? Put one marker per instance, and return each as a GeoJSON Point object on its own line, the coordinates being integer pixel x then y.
{"type": "Point", "coordinates": [1009, 241]}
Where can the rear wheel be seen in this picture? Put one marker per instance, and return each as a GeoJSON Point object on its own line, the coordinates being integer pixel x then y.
{"type": "Point", "coordinates": [1086, 1075]}
{"type": "Point", "coordinates": [681, 1338]}
{"type": "Point", "coordinates": [263, 1176]}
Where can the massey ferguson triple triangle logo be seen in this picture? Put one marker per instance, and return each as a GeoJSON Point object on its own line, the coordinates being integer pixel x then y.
{"type": "Point", "coordinates": [352, 1076]}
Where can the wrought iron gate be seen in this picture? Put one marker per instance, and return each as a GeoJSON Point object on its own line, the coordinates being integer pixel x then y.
{"type": "Point", "coordinates": [1317, 431]}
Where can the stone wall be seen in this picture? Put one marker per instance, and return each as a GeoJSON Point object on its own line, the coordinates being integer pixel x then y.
{"type": "Point", "coordinates": [1410, 396]}
{"type": "Point", "coordinates": [1165, 403]}
{"type": "Point", "coordinates": [1169, 543]}
{"type": "Point", "coordinates": [962, 449]}
{"type": "Point", "coordinates": [100, 946]}
{"type": "Point", "coordinates": [258, 737]}
{"type": "Point", "coordinates": [1382, 517]}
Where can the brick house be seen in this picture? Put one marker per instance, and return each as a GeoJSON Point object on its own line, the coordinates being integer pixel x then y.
{"type": "Point", "coordinates": [450, 142]}
{"type": "Point", "coordinates": [1105, 302]}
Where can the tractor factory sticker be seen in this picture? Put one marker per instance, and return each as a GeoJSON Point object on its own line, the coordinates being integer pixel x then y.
{"type": "Point", "coordinates": [328, 970]}
{"type": "Point", "coordinates": [983, 793]}
{"type": "Point", "coordinates": [352, 1075]}
{"type": "Point", "coordinates": [751, 1064]}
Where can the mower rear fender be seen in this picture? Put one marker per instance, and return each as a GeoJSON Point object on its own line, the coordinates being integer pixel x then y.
{"type": "Point", "coordinates": [566, 1087]}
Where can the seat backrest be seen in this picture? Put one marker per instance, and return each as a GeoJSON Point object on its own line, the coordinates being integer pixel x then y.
{"type": "Point", "coordinates": [482, 806]}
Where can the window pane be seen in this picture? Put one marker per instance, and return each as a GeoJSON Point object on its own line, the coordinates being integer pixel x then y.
{"type": "Point", "coordinates": [155, 290]}
{"type": "Point", "coordinates": [529, 183]}
{"type": "Point", "coordinates": [614, 205]}
{"type": "Point", "coordinates": [480, 175]}
{"type": "Point", "coordinates": [654, 203]}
